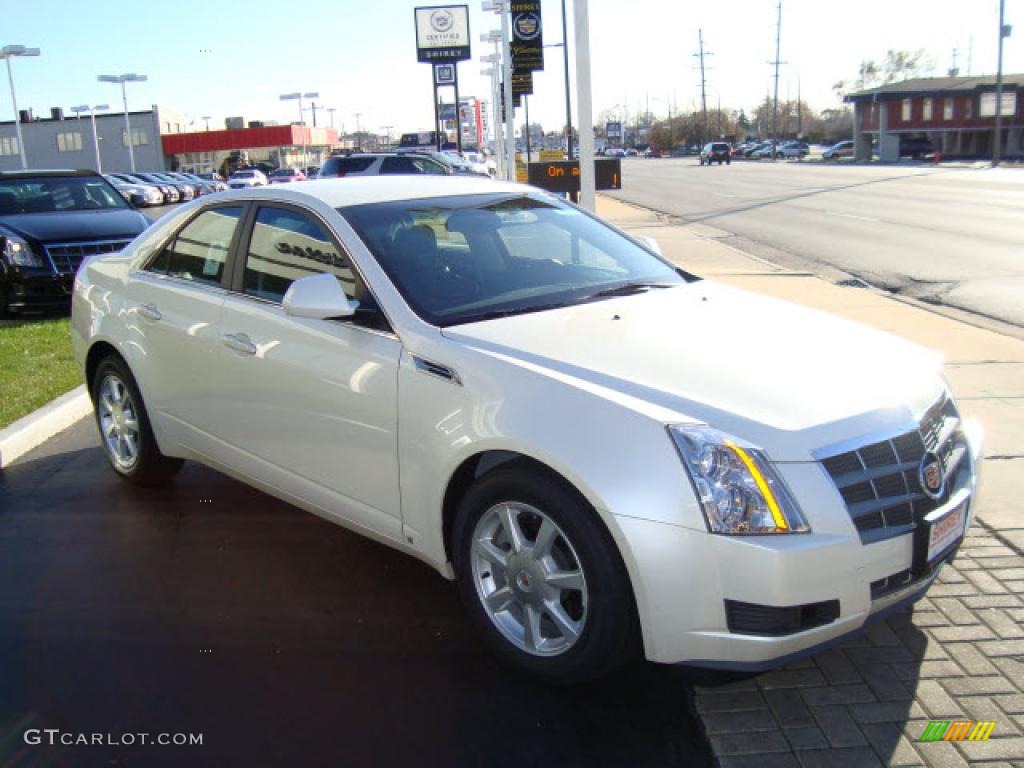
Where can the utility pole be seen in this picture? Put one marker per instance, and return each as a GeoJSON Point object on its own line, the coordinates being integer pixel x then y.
{"type": "Point", "coordinates": [701, 53]}
{"type": "Point", "coordinates": [799, 110]}
{"type": "Point", "coordinates": [954, 70]}
{"type": "Point", "coordinates": [1004, 31]}
{"type": "Point", "coordinates": [775, 103]}
{"type": "Point", "coordinates": [359, 138]}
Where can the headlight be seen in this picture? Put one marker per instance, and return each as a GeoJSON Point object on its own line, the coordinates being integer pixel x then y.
{"type": "Point", "coordinates": [738, 490]}
{"type": "Point", "coordinates": [18, 253]}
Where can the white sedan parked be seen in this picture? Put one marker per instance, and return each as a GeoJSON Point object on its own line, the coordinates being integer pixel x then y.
{"type": "Point", "coordinates": [607, 453]}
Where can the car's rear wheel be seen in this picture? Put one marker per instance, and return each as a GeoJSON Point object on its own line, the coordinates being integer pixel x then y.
{"type": "Point", "coordinates": [124, 426]}
{"type": "Point", "coordinates": [541, 578]}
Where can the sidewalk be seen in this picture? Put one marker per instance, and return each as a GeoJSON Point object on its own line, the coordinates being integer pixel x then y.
{"type": "Point", "coordinates": [959, 654]}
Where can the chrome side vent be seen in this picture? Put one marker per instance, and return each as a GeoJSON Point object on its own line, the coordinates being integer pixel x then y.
{"type": "Point", "coordinates": [436, 369]}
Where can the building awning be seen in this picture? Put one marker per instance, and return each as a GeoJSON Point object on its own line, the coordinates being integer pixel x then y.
{"type": "Point", "coordinates": [247, 138]}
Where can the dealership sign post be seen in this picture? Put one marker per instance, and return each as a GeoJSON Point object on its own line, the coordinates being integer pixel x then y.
{"type": "Point", "coordinates": [442, 39]}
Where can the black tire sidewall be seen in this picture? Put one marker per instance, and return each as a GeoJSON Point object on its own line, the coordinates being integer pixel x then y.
{"type": "Point", "coordinates": [608, 638]}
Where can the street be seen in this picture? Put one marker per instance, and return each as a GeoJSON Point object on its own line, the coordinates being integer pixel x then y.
{"type": "Point", "coordinates": [208, 607]}
{"type": "Point", "coordinates": [944, 235]}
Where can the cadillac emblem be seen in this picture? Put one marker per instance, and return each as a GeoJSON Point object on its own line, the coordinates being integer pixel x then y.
{"type": "Point", "coordinates": [527, 26]}
{"type": "Point", "coordinates": [442, 20]}
{"type": "Point", "coordinates": [930, 476]}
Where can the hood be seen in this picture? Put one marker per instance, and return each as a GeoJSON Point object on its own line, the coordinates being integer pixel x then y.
{"type": "Point", "coordinates": [73, 226]}
{"type": "Point", "coordinates": [784, 377]}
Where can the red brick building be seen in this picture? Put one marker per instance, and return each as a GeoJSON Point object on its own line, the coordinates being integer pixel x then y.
{"type": "Point", "coordinates": [956, 114]}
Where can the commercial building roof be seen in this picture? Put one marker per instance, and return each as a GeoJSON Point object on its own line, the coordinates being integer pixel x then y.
{"type": "Point", "coordinates": [929, 85]}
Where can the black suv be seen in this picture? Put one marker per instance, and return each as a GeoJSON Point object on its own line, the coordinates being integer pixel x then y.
{"type": "Point", "coordinates": [716, 151]}
{"type": "Point", "coordinates": [50, 221]}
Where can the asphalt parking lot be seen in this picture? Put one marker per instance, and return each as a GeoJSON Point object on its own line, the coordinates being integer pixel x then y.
{"type": "Point", "coordinates": [208, 607]}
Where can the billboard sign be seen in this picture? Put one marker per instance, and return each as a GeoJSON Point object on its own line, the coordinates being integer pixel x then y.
{"type": "Point", "coordinates": [527, 44]}
{"type": "Point", "coordinates": [564, 175]}
{"type": "Point", "coordinates": [613, 131]}
{"type": "Point", "coordinates": [442, 33]}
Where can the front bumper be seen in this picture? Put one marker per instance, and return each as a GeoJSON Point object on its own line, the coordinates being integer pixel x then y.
{"type": "Point", "coordinates": [687, 582]}
{"type": "Point", "coordinates": [37, 292]}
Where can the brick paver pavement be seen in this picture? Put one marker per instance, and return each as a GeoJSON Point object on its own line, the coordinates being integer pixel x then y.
{"type": "Point", "coordinates": [957, 654]}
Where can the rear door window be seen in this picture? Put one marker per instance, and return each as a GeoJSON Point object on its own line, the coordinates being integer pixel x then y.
{"type": "Point", "coordinates": [199, 251]}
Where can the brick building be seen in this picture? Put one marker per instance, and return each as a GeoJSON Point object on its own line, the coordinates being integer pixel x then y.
{"type": "Point", "coordinates": [957, 114]}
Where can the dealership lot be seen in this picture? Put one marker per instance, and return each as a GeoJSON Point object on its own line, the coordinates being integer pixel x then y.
{"type": "Point", "coordinates": [208, 607]}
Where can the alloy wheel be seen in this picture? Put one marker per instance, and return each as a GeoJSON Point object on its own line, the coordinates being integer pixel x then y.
{"type": "Point", "coordinates": [119, 422]}
{"type": "Point", "coordinates": [529, 579]}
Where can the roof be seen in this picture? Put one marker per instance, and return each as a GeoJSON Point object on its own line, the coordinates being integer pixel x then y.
{"type": "Point", "coordinates": [927, 85]}
{"type": "Point", "coordinates": [358, 190]}
{"type": "Point", "coordinates": [55, 172]}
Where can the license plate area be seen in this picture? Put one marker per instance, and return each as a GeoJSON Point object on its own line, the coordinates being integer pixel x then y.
{"type": "Point", "coordinates": [938, 535]}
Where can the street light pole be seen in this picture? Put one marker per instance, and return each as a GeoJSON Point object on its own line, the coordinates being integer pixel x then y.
{"type": "Point", "coordinates": [568, 99]}
{"type": "Point", "coordinates": [581, 24]}
{"type": "Point", "coordinates": [95, 137]}
{"type": "Point", "coordinates": [302, 121]}
{"type": "Point", "coordinates": [130, 77]}
{"type": "Point", "coordinates": [8, 52]}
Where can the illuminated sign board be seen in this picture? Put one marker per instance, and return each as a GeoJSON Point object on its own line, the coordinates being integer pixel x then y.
{"type": "Point", "coordinates": [442, 33]}
{"type": "Point", "coordinates": [564, 175]}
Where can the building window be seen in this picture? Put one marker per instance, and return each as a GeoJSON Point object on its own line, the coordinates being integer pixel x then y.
{"type": "Point", "coordinates": [905, 116]}
{"type": "Point", "coordinates": [8, 146]}
{"type": "Point", "coordinates": [969, 108]}
{"type": "Point", "coordinates": [138, 138]}
{"type": "Point", "coordinates": [69, 142]}
{"type": "Point", "coordinates": [947, 109]}
{"type": "Point", "coordinates": [926, 109]}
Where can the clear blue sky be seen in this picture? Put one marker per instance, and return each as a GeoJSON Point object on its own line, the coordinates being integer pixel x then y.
{"type": "Point", "coordinates": [360, 56]}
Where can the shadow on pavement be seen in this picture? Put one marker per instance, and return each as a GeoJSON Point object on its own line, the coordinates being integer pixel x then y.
{"type": "Point", "coordinates": [208, 607]}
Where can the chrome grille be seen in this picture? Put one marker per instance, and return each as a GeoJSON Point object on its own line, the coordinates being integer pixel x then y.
{"type": "Point", "coordinates": [68, 257]}
{"type": "Point", "coordinates": [879, 479]}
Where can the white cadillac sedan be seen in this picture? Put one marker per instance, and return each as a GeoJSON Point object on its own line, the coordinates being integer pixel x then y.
{"type": "Point", "coordinates": [608, 454]}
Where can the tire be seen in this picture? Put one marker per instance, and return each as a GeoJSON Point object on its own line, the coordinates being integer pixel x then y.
{"type": "Point", "coordinates": [585, 626]}
{"type": "Point", "coordinates": [118, 405]}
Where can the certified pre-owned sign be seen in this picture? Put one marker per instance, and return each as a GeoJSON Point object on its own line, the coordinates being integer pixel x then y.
{"type": "Point", "coordinates": [442, 33]}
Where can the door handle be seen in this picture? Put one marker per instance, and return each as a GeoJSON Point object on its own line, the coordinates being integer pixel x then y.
{"type": "Point", "coordinates": [239, 343]}
{"type": "Point", "coordinates": [149, 311]}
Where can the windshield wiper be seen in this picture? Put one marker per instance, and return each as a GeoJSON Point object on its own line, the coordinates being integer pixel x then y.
{"type": "Point", "coordinates": [626, 290]}
{"type": "Point", "coordinates": [498, 313]}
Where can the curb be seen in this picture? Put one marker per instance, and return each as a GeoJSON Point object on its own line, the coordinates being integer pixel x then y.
{"type": "Point", "coordinates": [43, 423]}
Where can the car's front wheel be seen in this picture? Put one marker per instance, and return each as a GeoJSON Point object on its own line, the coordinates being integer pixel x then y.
{"type": "Point", "coordinates": [541, 577]}
{"type": "Point", "coordinates": [124, 426]}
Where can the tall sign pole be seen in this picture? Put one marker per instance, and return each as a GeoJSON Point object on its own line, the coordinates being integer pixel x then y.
{"type": "Point", "coordinates": [581, 22]}
{"type": "Point", "coordinates": [442, 40]}
{"type": "Point", "coordinates": [506, 76]}
{"type": "Point", "coordinates": [568, 99]}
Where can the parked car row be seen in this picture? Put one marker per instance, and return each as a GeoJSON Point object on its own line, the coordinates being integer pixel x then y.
{"type": "Point", "coordinates": [147, 188]}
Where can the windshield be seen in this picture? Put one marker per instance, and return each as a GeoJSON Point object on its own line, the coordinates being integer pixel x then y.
{"type": "Point", "coordinates": [460, 259]}
{"type": "Point", "coordinates": [58, 193]}
{"type": "Point", "coordinates": [244, 174]}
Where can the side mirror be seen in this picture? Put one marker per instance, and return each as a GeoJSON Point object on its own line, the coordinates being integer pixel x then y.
{"type": "Point", "coordinates": [650, 242]}
{"type": "Point", "coordinates": [137, 200]}
{"type": "Point", "coordinates": [318, 296]}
